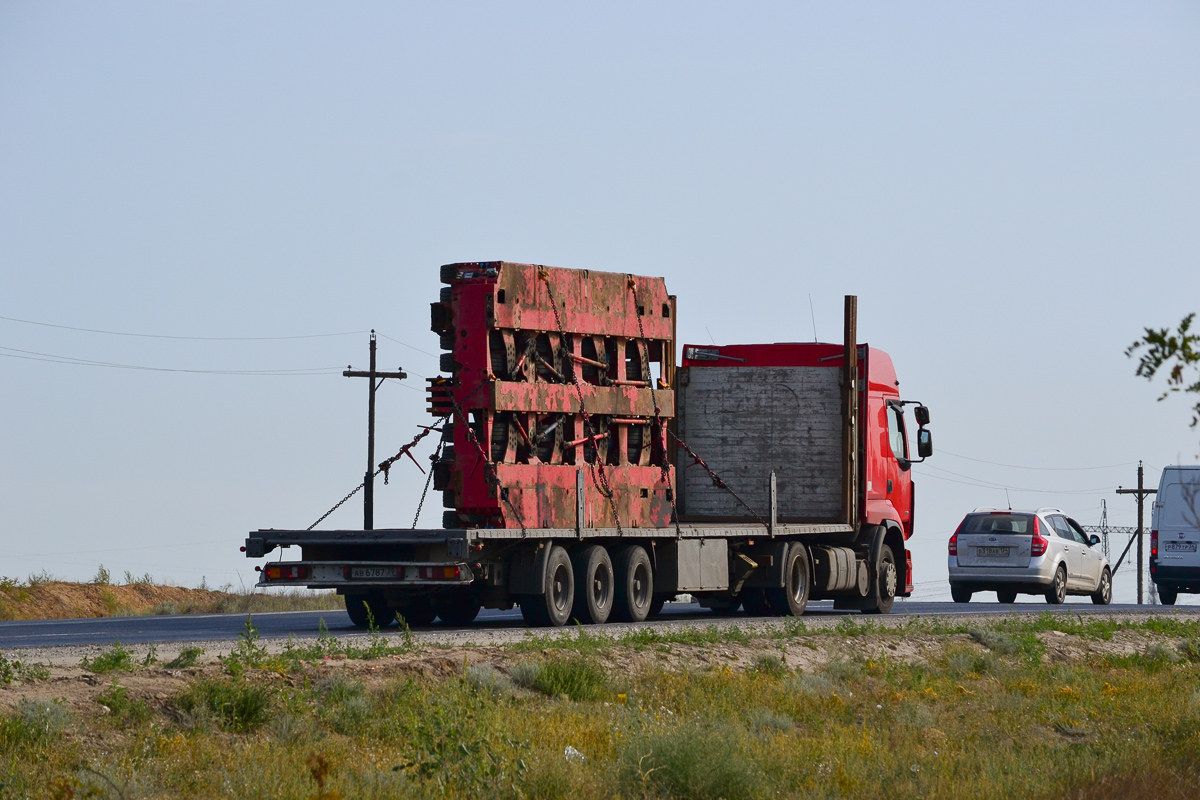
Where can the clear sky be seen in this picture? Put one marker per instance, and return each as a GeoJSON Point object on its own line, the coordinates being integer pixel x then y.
{"type": "Point", "coordinates": [1011, 189]}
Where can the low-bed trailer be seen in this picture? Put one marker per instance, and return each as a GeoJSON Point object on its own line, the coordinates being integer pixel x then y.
{"type": "Point", "coordinates": [585, 476]}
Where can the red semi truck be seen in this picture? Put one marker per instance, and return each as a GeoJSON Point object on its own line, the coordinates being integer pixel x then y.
{"type": "Point", "coordinates": [586, 475]}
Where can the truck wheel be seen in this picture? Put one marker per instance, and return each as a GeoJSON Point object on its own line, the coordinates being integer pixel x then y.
{"type": "Point", "coordinates": [1168, 595]}
{"type": "Point", "coordinates": [1006, 596]}
{"type": "Point", "coordinates": [791, 600]}
{"type": "Point", "coordinates": [885, 579]}
{"type": "Point", "coordinates": [458, 608]}
{"type": "Point", "coordinates": [656, 605]}
{"type": "Point", "coordinates": [1057, 593]}
{"type": "Point", "coordinates": [959, 595]}
{"type": "Point", "coordinates": [552, 608]}
{"type": "Point", "coordinates": [756, 604]}
{"type": "Point", "coordinates": [593, 585]}
{"type": "Point", "coordinates": [1103, 595]}
{"type": "Point", "coordinates": [635, 585]}
{"type": "Point", "coordinates": [357, 606]}
{"type": "Point", "coordinates": [720, 605]}
{"type": "Point", "coordinates": [418, 613]}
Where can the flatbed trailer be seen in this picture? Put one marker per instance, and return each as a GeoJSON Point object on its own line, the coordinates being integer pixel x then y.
{"type": "Point", "coordinates": [795, 485]}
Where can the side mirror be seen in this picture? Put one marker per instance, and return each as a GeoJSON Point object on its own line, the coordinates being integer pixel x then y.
{"type": "Point", "coordinates": [924, 443]}
{"type": "Point", "coordinates": [1093, 540]}
{"type": "Point", "coordinates": [921, 415]}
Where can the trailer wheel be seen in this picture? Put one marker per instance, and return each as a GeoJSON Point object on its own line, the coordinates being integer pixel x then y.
{"type": "Point", "coordinates": [756, 603]}
{"type": "Point", "coordinates": [458, 608]}
{"type": "Point", "coordinates": [593, 585]}
{"type": "Point", "coordinates": [552, 608]}
{"type": "Point", "coordinates": [635, 585]}
{"type": "Point", "coordinates": [792, 598]}
{"type": "Point", "coordinates": [886, 579]}
{"type": "Point", "coordinates": [363, 608]}
{"type": "Point", "coordinates": [656, 605]}
{"type": "Point", "coordinates": [418, 613]}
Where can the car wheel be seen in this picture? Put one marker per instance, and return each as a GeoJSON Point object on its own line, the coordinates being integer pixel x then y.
{"type": "Point", "coordinates": [1103, 593]}
{"type": "Point", "coordinates": [960, 595]}
{"type": "Point", "coordinates": [1167, 596]}
{"type": "Point", "coordinates": [1057, 593]}
{"type": "Point", "coordinates": [1006, 596]}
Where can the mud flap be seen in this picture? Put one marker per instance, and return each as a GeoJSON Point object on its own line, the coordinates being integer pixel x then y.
{"type": "Point", "coordinates": [527, 572]}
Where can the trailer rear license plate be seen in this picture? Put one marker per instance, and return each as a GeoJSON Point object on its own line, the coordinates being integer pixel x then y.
{"type": "Point", "coordinates": [372, 572]}
{"type": "Point", "coordinates": [1179, 547]}
{"type": "Point", "coordinates": [991, 552]}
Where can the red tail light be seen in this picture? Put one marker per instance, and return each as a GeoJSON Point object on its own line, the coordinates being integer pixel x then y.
{"type": "Point", "coordinates": [1154, 544]}
{"type": "Point", "coordinates": [952, 547]}
{"type": "Point", "coordinates": [286, 572]}
{"type": "Point", "coordinates": [1039, 543]}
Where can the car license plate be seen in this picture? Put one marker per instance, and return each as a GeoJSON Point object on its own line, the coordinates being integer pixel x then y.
{"type": "Point", "coordinates": [991, 552]}
{"type": "Point", "coordinates": [372, 572]}
{"type": "Point", "coordinates": [1179, 547]}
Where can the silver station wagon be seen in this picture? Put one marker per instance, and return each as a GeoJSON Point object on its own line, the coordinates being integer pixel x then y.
{"type": "Point", "coordinates": [1026, 552]}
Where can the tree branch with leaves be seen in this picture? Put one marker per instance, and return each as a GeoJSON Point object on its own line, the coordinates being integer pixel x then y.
{"type": "Point", "coordinates": [1177, 353]}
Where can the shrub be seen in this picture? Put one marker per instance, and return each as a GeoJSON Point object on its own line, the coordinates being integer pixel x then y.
{"type": "Point", "coordinates": [764, 720]}
{"type": "Point", "coordinates": [813, 685]}
{"type": "Point", "coordinates": [117, 657]}
{"type": "Point", "coordinates": [33, 722]}
{"type": "Point", "coordinates": [994, 640]}
{"type": "Point", "coordinates": [40, 577]}
{"type": "Point", "coordinates": [577, 678]}
{"type": "Point", "coordinates": [844, 671]}
{"type": "Point", "coordinates": [1190, 650]}
{"type": "Point", "coordinates": [186, 658]}
{"type": "Point", "coordinates": [102, 576]}
{"type": "Point", "coordinates": [116, 699]}
{"type": "Point", "coordinates": [18, 670]}
{"type": "Point", "coordinates": [770, 664]}
{"type": "Point", "coordinates": [487, 678]}
{"type": "Point", "coordinates": [693, 763]}
{"type": "Point", "coordinates": [236, 705]}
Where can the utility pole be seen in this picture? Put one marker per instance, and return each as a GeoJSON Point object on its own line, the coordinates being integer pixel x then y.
{"type": "Point", "coordinates": [369, 479]}
{"type": "Point", "coordinates": [1141, 493]}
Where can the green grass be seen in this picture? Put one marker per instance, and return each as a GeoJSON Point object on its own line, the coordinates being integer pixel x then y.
{"type": "Point", "coordinates": [117, 657]}
{"type": "Point", "coordinates": [979, 714]}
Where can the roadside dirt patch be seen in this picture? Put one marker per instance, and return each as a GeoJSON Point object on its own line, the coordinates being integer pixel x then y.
{"type": "Point", "coordinates": [61, 600]}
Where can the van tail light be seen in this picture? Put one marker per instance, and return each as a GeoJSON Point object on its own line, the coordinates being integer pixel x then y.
{"type": "Point", "coordinates": [1040, 543]}
{"type": "Point", "coordinates": [1154, 544]}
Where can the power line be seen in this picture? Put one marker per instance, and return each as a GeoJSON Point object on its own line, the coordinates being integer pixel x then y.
{"type": "Point", "coordinates": [409, 346]}
{"type": "Point", "coordinates": [32, 355]}
{"type": "Point", "coordinates": [184, 338]}
{"type": "Point", "coordinates": [1044, 469]}
{"type": "Point", "coordinates": [989, 485]}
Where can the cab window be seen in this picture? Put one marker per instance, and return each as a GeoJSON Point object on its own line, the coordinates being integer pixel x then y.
{"type": "Point", "coordinates": [896, 432]}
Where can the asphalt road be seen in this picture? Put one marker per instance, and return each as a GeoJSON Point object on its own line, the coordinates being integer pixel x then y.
{"type": "Point", "coordinates": [302, 624]}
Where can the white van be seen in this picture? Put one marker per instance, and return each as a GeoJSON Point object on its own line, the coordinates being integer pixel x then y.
{"type": "Point", "coordinates": [1175, 533]}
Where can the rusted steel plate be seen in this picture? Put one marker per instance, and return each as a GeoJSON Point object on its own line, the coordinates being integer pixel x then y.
{"type": "Point", "coordinates": [625, 401]}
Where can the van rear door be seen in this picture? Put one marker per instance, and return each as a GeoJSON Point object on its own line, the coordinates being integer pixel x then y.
{"type": "Point", "coordinates": [1178, 528]}
{"type": "Point", "coordinates": [995, 539]}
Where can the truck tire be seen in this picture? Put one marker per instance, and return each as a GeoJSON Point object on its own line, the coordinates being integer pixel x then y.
{"type": "Point", "coordinates": [363, 608]}
{"type": "Point", "coordinates": [791, 599]}
{"type": "Point", "coordinates": [886, 579]}
{"type": "Point", "coordinates": [634, 581]}
{"type": "Point", "coordinates": [755, 602]}
{"type": "Point", "coordinates": [1168, 595]}
{"type": "Point", "coordinates": [1057, 593]}
{"type": "Point", "coordinates": [594, 585]}
{"type": "Point", "coordinates": [552, 608]}
{"type": "Point", "coordinates": [656, 605]}
{"type": "Point", "coordinates": [417, 613]}
{"type": "Point", "coordinates": [458, 608]}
